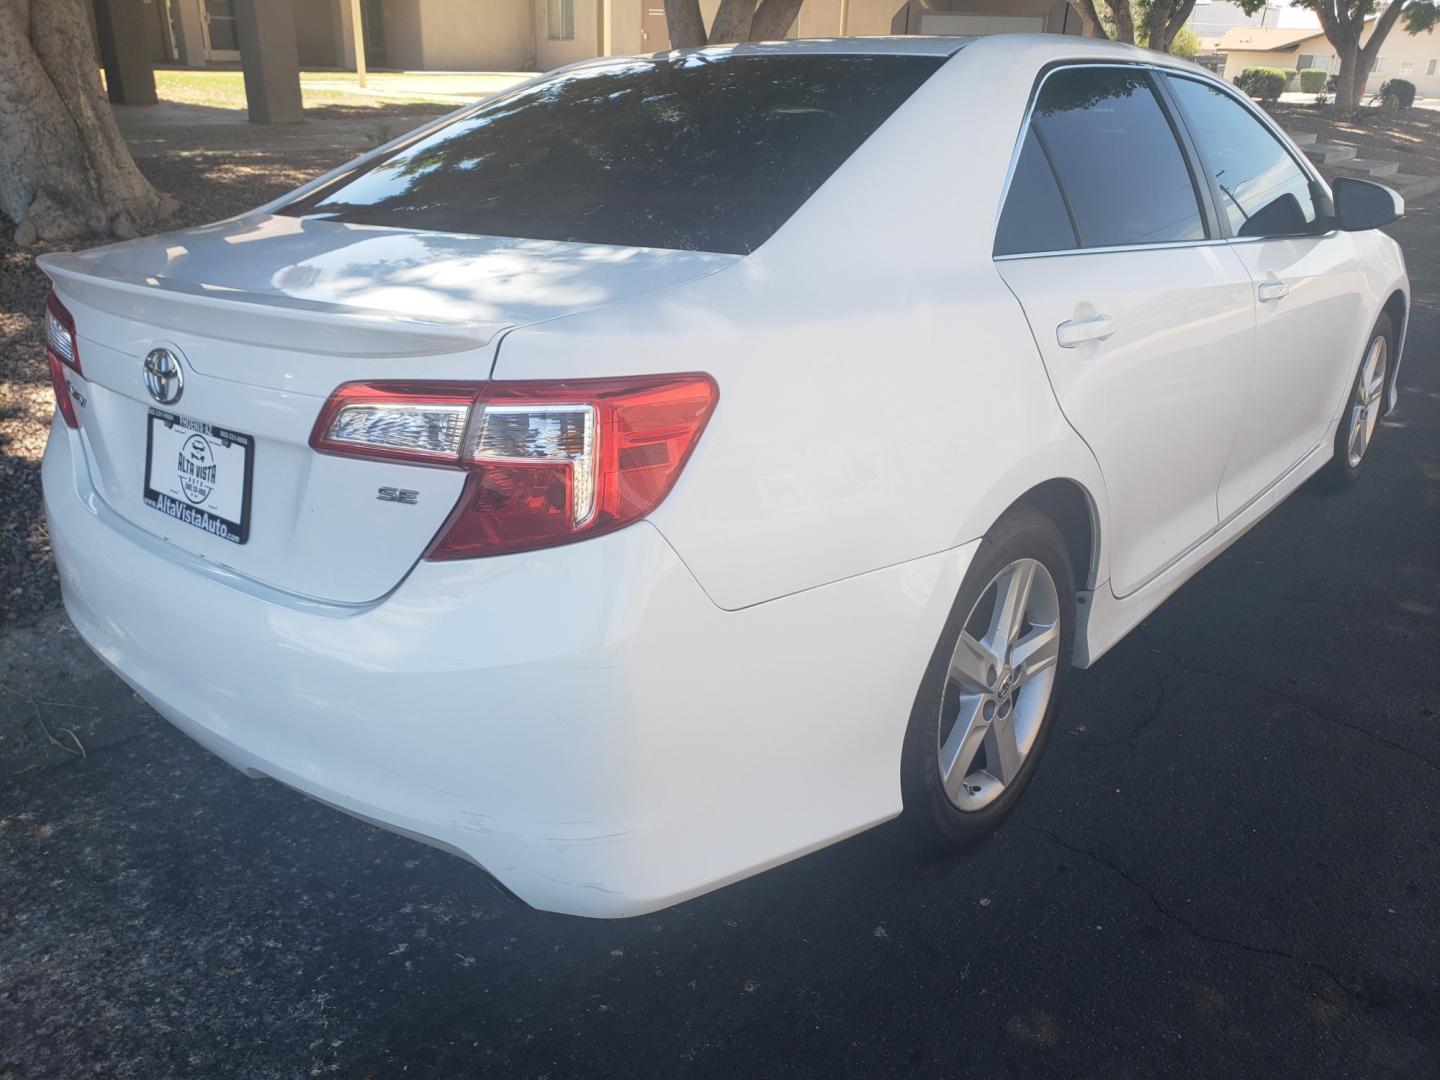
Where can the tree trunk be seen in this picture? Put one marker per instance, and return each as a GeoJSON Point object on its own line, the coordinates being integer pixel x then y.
{"type": "Point", "coordinates": [1351, 79]}
{"type": "Point", "coordinates": [773, 19]}
{"type": "Point", "coordinates": [65, 171]}
{"type": "Point", "coordinates": [732, 22]}
{"type": "Point", "coordinates": [682, 19]}
{"type": "Point", "coordinates": [1163, 30]}
{"type": "Point", "coordinates": [735, 21]}
{"type": "Point", "coordinates": [1093, 14]}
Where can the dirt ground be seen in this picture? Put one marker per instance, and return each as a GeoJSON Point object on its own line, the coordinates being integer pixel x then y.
{"type": "Point", "coordinates": [1409, 136]}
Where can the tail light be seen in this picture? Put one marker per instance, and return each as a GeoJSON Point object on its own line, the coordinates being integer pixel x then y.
{"type": "Point", "coordinates": [61, 351]}
{"type": "Point", "coordinates": [548, 462]}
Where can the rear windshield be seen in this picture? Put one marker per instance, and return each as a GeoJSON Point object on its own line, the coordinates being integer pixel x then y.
{"type": "Point", "coordinates": [694, 151]}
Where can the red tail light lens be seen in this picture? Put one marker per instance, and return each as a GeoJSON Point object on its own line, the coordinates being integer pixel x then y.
{"type": "Point", "coordinates": [549, 462]}
{"type": "Point", "coordinates": [62, 350]}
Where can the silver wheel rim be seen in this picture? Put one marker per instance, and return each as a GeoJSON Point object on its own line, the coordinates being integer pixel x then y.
{"type": "Point", "coordinates": [1000, 681]}
{"type": "Point", "coordinates": [1365, 408]}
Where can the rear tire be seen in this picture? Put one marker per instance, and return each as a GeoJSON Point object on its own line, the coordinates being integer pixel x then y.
{"type": "Point", "coordinates": [1361, 420]}
{"type": "Point", "coordinates": [983, 714]}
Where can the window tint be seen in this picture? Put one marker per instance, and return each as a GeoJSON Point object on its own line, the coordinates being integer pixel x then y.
{"type": "Point", "coordinates": [692, 151]}
{"type": "Point", "coordinates": [1116, 158]}
{"type": "Point", "coordinates": [1034, 218]}
{"type": "Point", "coordinates": [1262, 191]}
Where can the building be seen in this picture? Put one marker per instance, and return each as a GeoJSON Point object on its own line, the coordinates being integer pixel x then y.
{"type": "Point", "coordinates": [1415, 57]}
{"type": "Point", "coordinates": [536, 35]}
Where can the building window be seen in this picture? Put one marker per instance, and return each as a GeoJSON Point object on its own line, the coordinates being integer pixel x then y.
{"type": "Point", "coordinates": [1306, 61]}
{"type": "Point", "coordinates": [560, 20]}
{"type": "Point", "coordinates": [1407, 68]}
{"type": "Point", "coordinates": [1434, 66]}
{"type": "Point", "coordinates": [1379, 65]}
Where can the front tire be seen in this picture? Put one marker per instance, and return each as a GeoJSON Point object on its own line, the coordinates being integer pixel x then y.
{"type": "Point", "coordinates": [1363, 407]}
{"type": "Point", "coordinates": [987, 703]}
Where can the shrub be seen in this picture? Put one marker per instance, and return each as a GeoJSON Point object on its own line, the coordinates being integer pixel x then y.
{"type": "Point", "coordinates": [1185, 44]}
{"type": "Point", "coordinates": [1312, 80]}
{"type": "Point", "coordinates": [1265, 83]}
{"type": "Point", "coordinates": [1398, 92]}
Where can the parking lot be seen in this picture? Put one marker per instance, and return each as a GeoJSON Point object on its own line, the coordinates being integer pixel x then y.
{"type": "Point", "coordinates": [1228, 866]}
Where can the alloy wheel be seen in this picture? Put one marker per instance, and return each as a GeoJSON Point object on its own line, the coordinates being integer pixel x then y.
{"type": "Point", "coordinates": [999, 684]}
{"type": "Point", "coordinates": [1365, 407]}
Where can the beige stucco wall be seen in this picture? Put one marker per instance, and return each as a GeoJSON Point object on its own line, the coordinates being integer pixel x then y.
{"type": "Point", "coordinates": [553, 53]}
{"type": "Point", "coordinates": [315, 32]}
{"type": "Point", "coordinates": [1236, 62]}
{"type": "Point", "coordinates": [1399, 49]}
{"type": "Point", "coordinates": [513, 35]}
{"type": "Point", "coordinates": [458, 35]}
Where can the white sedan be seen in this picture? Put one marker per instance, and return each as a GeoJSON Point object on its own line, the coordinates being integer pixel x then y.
{"type": "Point", "coordinates": [679, 463]}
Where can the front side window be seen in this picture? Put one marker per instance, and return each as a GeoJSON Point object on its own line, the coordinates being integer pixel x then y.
{"type": "Point", "coordinates": [1262, 191]}
{"type": "Point", "coordinates": [560, 20]}
{"type": "Point", "coordinates": [1119, 168]}
{"type": "Point", "coordinates": [696, 151]}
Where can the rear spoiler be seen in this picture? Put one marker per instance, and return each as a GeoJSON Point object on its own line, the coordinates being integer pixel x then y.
{"type": "Point", "coordinates": [267, 319]}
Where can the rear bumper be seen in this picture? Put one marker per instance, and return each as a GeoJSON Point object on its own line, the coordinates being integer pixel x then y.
{"type": "Point", "coordinates": [583, 722]}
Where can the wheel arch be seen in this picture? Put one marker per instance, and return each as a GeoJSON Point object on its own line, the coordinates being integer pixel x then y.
{"type": "Point", "coordinates": [1397, 307]}
{"type": "Point", "coordinates": [1075, 512]}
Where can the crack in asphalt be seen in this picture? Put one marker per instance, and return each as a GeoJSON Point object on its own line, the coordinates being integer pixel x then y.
{"type": "Point", "coordinates": [1182, 666]}
{"type": "Point", "coordinates": [1189, 927]}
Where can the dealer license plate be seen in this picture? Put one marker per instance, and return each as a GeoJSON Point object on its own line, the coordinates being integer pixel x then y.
{"type": "Point", "coordinates": [199, 474]}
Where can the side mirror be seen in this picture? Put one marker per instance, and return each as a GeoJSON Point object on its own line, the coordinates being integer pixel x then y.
{"type": "Point", "coordinates": [1364, 204]}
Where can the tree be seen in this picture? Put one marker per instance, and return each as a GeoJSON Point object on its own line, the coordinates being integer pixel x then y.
{"type": "Point", "coordinates": [1152, 23]}
{"type": "Point", "coordinates": [735, 20]}
{"type": "Point", "coordinates": [65, 171]}
{"type": "Point", "coordinates": [1344, 23]}
{"type": "Point", "coordinates": [1185, 44]}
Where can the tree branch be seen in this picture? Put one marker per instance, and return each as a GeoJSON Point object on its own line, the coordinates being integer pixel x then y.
{"type": "Point", "coordinates": [1088, 7]}
{"type": "Point", "coordinates": [1383, 26]}
{"type": "Point", "coordinates": [1177, 22]}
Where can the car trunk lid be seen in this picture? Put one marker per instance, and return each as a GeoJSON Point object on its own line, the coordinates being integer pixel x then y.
{"type": "Point", "coordinates": [264, 318]}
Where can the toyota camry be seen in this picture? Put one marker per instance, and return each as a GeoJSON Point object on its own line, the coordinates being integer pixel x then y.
{"type": "Point", "coordinates": [678, 463]}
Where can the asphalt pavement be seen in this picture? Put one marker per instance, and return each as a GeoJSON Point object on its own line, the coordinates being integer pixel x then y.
{"type": "Point", "coordinates": [1228, 866]}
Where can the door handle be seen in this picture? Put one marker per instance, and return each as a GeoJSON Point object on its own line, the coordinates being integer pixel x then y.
{"type": "Point", "coordinates": [1271, 291]}
{"type": "Point", "coordinates": [1075, 332]}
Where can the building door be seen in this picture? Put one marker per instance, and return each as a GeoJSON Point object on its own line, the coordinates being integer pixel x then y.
{"type": "Point", "coordinates": [221, 40]}
{"type": "Point", "coordinates": [654, 31]}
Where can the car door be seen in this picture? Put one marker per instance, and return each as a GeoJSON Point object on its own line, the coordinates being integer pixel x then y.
{"type": "Point", "coordinates": [1307, 280]}
{"type": "Point", "coordinates": [1144, 318]}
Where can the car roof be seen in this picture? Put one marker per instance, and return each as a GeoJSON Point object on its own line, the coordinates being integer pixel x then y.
{"type": "Point", "coordinates": [897, 45]}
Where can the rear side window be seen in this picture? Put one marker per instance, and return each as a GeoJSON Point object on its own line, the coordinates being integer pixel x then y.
{"type": "Point", "coordinates": [1035, 217]}
{"type": "Point", "coordinates": [1116, 160]}
{"type": "Point", "coordinates": [1261, 190]}
{"type": "Point", "coordinates": [698, 152]}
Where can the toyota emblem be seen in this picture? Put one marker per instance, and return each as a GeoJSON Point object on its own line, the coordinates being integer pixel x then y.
{"type": "Point", "coordinates": [164, 377]}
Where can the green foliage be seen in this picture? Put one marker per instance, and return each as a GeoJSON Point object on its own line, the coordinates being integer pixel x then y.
{"type": "Point", "coordinates": [1265, 83]}
{"type": "Point", "coordinates": [1421, 15]}
{"type": "Point", "coordinates": [1399, 92]}
{"type": "Point", "coordinates": [1185, 44]}
{"type": "Point", "coordinates": [1312, 80]}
